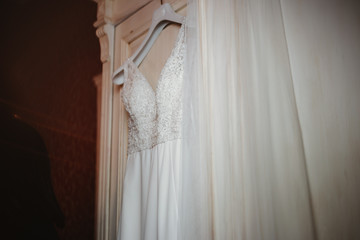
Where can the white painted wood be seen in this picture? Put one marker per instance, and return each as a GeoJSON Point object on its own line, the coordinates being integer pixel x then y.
{"type": "Point", "coordinates": [116, 11]}
{"type": "Point", "coordinates": [105, 132]}
{"type": "Point", "coordinates": [121, 9]}
{"type": "Point", "coordinates": [106, 36]}
{"type": "Point", "coordinates": [105, 33]}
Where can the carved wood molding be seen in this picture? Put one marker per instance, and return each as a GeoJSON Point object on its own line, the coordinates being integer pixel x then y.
{"type": "Point", "coordinates": [100, 13]}
{"type": "Point", "coordinates": [105, 33]}
{"type": "Point", "coordinates": [104, 43]}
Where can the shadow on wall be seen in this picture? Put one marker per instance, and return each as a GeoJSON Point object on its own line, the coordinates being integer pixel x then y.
{"type": "Point", "coordinates": [29, 209]}
{"type": "Point", "coordinates": [49, 56]}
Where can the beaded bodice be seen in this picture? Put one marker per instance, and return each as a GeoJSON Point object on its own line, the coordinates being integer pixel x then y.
{"type": "Point", "coordinates": [155, 116]}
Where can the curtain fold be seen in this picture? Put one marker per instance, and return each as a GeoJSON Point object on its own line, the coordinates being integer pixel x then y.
{"type": "Point", "coordinates": [267, 83]}
{"type": "Point", "coordinates": [244, 169]}
{"type": "Point", "coordinates": [323, 40]}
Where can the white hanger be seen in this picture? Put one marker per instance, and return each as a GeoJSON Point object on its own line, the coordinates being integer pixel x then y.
{"type": "Point", "coordinates": [161, 18]}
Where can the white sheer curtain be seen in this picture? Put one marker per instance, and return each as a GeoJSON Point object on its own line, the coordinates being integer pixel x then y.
{"type": "Point", "coordinates": [245, 171]}
{"type": "Point", "coordinates": [323, 39]}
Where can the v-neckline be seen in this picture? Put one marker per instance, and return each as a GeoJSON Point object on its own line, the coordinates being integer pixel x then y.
{"type": "Point", "coordinates": [175, 46]}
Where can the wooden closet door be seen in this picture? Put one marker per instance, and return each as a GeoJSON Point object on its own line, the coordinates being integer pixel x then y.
{"type": "Point", "coordinates": [123, 39]}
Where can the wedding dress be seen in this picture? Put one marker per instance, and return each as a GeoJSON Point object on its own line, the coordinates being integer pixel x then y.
{"type": "Point", "coordinates": [150, 191]}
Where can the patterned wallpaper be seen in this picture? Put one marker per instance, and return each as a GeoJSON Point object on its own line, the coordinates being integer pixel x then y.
{"type": "Point", "coordinates": [49, 56]}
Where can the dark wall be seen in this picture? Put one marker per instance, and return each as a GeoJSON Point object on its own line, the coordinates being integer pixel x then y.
{"type": "Point", "coordinates": [49, 54]}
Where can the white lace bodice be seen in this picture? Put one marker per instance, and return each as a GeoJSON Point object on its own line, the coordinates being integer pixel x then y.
{"type": "Point", "coordinates": [155, 116]}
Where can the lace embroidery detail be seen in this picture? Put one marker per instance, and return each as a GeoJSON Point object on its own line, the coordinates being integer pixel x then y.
{"type": "Point", "coordinates": [155, 117]}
